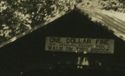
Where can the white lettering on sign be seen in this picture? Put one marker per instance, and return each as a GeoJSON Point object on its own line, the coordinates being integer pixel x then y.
{"type": "Point", "coordinates": [85, 45]}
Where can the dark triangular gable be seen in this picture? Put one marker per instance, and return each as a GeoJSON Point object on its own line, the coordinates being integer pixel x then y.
{"type": "Point", "coordinates": [29, 50]}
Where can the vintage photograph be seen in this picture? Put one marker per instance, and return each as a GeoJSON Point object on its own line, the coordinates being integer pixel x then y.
{"type": "Point", "coordinates": [62, 37]}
